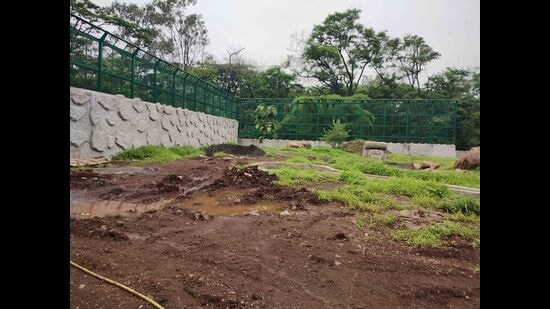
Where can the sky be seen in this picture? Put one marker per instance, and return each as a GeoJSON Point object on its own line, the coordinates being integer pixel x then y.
{"type": "Point", "coordinates": [265, 27]}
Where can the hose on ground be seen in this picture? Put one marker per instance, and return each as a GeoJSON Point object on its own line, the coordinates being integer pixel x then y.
{"type": "Point", "coordinates": [147, 299]}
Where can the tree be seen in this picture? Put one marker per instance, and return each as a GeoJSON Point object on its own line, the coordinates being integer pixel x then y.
{"type": "Point", "coordinates": [414, 54]}
{"type": "Point", "coordinates": [174, 35]}
{"type": "Point", "coordinates": [338, 51]}
{"type": "Point", "coordinates": [265, 120]}
{"type": "Point", "coordinates": [462, 85]}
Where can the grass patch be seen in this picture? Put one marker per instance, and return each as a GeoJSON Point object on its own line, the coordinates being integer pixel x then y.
{"type": "Point", "coordinates": [434, 234]}
{"type": "Point", "coordinates": [452, 204]}
{"type": "Point", "coordinates": [375, 220]}
{"type": "Point", "coordinates": [299, 177]}
{"type": "Point", "coordinates": [151, 154]}
{"type": "Point", "coordinates": [220, 154]}
{"type": "Point", "coordinates": [345, 161]}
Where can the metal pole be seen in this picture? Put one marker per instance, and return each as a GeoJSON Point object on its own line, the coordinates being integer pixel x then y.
{"type": "Point", "coordinates": [155, 81]}
{"type": "Point", "coordinates": [184, 98]}
{"type": "Point", "coordinates": [455, 115]}
{"type": "Point", "coordinates": [384, 125]}
{"type": "Point", "coordinates": [100, 63]}
{"type": "Point", "coordinates": [174, 87]}
{"type": "Point", "coordinates": [133, 77]}
{"type": "Point", "coordinates": [431, 122]}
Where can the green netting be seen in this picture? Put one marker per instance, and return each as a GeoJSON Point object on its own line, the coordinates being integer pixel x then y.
{"type": "Point", "coordinates": [400, 121]}
{"type": "Point", "coordinates": [103, 62]}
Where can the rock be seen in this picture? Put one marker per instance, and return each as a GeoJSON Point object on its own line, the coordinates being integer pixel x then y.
{"type": "Point", "coordinates": [374, 145]}
{"type": "Point", "coordinates": [103, 228]}
{"type": "Point", "coordinates": [375, 154]}
{"type": "Point", "coordinates": [337, 263]}
{"type": "Point", "coordinates": [76, 112]}
{"type": "Point", "coordinates": [355, 146]}
{"type": "Point", "coordinates": [294, 144]}
{"type": "Point", "coordinates": [201, 216]}
{"type": "Point", "coordinates": [307, 145]}
{"type": "Point", "coordinates": [417, 166]}
{"type": "Point", "coordinates": [429, 165]}
{"type": "Point", "coordinates": [470, 160]}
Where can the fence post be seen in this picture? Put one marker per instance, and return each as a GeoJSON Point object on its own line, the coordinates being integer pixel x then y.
{"type": "Point", "coordinates": [100, 62]}
{"type": "Point", "coordinates": [133, 77]}
{"type": "Point", "coordinates": [431, 121]}
{"type": "Point", "coordinates": [384, 124]}
{"type": "Point", "coordinates": [155, 81]}
{"type": "Point", "coordinates": [318, 104]}
{"type": "Point", "coordinates": [184, 97]}
{"type": "Point", "coordinates": [455, 115]}
{"type": "Point", "coordinates": [174, 87]}
{"type": "Point", "coordinates": [407, 124]}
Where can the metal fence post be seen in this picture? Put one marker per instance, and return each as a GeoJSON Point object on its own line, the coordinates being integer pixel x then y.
{"type": "Point", "coordinates": [455, 120]}
{"type": "Point", "coordinates": [155, 95]}
{"type": "Point", "coordinates": [384, 123]}
{"type": "Point", "coordinates": [100, 62]}
{"type": "Point", "coordinates": [133, 77]}
{"type": "Point", "coordinates": [174, 87]}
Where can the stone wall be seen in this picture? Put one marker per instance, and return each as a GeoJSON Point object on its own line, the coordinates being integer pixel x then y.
{"type": "Point", "coordinates": [103, 125]}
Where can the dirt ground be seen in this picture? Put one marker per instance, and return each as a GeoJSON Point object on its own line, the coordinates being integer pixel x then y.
{"type": "Point", "coordinates": [196, 233]}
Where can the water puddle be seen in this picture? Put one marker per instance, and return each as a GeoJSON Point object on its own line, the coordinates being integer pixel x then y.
{"type": "Point", "coordinates": [222, 204]}
{"type": "Point", "coordinates": [102, 208]}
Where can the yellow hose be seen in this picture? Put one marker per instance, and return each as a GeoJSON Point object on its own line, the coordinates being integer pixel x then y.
{"type": "Point", "coordinates": [147, 299]}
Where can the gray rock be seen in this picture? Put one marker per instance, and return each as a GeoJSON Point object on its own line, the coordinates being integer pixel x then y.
{"type": "Point", "coordinates": [77, 112]}
{"type": "Point", "coordinates": [123, 140]}
{"type": "Point", "coordinates": [78, 137]}
{"type": "Point", "coordinates": [125, 110]}
{"type": "Point", "coordinates": [99, 140]}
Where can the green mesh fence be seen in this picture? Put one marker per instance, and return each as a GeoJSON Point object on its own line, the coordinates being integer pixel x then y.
{"type": "Point", "coordinates": [104, 62]}
{"type": "Point", "coordinates": [400, 121]}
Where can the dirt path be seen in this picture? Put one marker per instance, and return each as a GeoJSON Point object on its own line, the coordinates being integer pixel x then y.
{"type": "Point", "coordinates": [308, 256]}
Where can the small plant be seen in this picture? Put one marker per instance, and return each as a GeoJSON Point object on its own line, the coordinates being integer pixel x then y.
{"type": "Point", "coordinates": [265, 120]}
{"type": "Point", "coordinates": [336, 135]}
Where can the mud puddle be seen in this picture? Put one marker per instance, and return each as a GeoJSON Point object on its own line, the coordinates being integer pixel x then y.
{"type": "Point", "coordinates": [226, 203]}
{"type": "Point", "coordinates": [221, 204]}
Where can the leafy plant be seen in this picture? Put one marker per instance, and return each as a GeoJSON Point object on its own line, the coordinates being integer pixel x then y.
{"type": "Point", "coordinates": [265, 120]}
{"type": "Point", "coordinates": [336, 135]}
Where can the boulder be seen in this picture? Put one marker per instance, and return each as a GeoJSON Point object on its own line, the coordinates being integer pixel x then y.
{"type": "Point", "coordinates": [469, 160]}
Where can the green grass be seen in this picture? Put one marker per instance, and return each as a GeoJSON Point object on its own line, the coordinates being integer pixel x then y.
{"type": "Point", "coordinates": [353, 162]}
{"type": "Point", "coordinates": [231, 143]}
{"type": "Point", "coordinates": [452, 204]}
{"type": "Point", "coordinates": [434, 234]}
{"type": "Point", "coordinates": [220, 154]}
{"type": "Point", "coordinates": [152, 154]}
{"type": "Point", "coordinates": [299, 177]}
{"type": "Point", "coordinates": [375, 220]}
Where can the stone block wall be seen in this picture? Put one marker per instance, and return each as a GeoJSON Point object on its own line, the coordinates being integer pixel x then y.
{"type": "Point", "coordinates": [103, 125]}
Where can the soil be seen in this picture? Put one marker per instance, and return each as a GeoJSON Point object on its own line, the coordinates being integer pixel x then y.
{"type": "Point", "coordinates": [240, 150]}
{"type": "Point", "coordinates": [300, 254]}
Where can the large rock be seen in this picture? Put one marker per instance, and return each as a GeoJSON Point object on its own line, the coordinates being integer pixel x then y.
{"type": "Point", "coordinates": [470, 160]}
{"type": "Point", "coordinates": [355, 146]}
{"type": "Point", "coordinates": [375, 150]}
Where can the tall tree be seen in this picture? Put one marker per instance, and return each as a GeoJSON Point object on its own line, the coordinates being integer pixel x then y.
{"type": "Point", "coordinates": [413, 55]}
{"type": "Point", "coordinates": [338, 51]}
{"type": "Point", "coordinates": [462, 85]}
{"type": "Point", "coordinates": [179, 37]}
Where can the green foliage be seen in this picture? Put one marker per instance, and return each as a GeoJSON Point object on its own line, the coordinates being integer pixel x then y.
{"type": "Point", "coordinates": [220, 154]}
{"type": "Point", "coordinates": [399, 158]}
{"type": "Point", "coordinates": [305, 113]}
{"type": "Point", "coordinates": [453, 204]}
{"type": "Point", "coordinates": [265, 120]}
{"type": "Point", "coordinates": [148, 154]}
{"type": "Point", "coordinates": [375, 220]}
{"type": "Point", "coordinates": [434, 234]}
{"type": "Point", "coordinates": [336, 135]}
{"type": "Point", "coordinates": [300, 177]}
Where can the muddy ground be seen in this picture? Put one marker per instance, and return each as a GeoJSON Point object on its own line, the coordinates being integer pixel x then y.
{"type": "Point", "coordinates": [196, 233]}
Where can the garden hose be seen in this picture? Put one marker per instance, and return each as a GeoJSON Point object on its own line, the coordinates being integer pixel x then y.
{"type": "Point", "coordinates": [147, 299]}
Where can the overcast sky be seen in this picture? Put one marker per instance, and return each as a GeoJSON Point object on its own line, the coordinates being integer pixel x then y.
{"type": "Point", "coordinates": [264, 27]}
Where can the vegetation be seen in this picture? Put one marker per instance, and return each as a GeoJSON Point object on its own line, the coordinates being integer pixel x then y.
{"type": "Point", "coordinates": [354, 162]}
{"type": "Point", "coordinates": [149, 154]}
{"type": "Point", "coordinates": [434, 234]}
{"type": "Point", "coordinates": [265, 120]}
{"type": "Point", "coordinates": [336, 135]}
{"type": "Point", "coordinates": [220, 154]}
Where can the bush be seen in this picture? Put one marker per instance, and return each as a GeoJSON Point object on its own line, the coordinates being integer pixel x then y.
{"type": "Point", "coordinates": [336, 135]}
